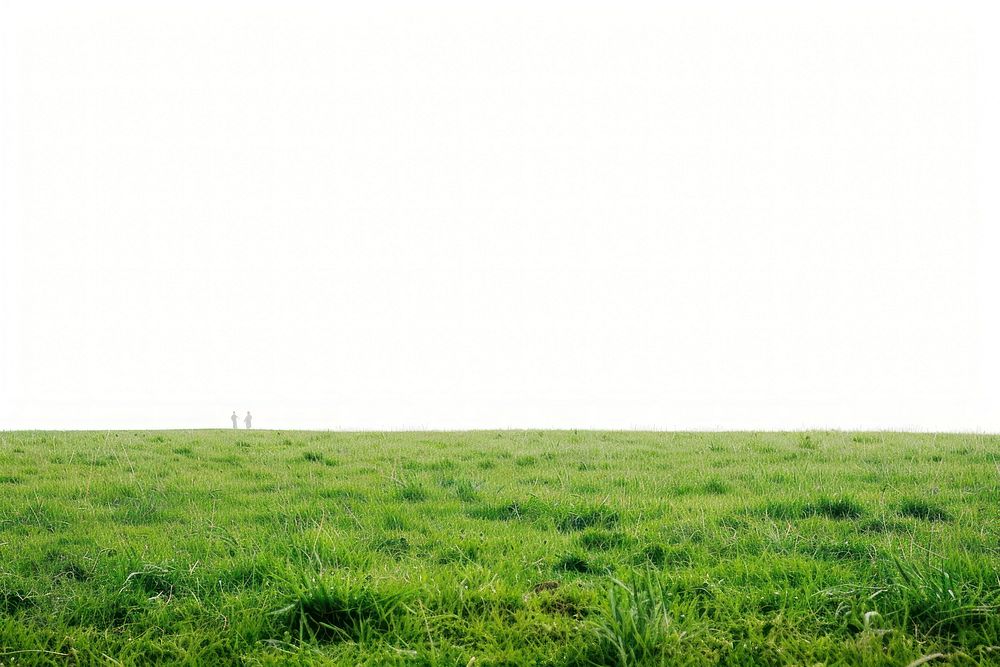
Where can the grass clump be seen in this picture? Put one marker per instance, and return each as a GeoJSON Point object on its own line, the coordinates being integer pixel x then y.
{"type": "Point", "coordinates": [938, 597]}
{"type": "Point", "coordinates": [918, 508]}
{"type": "Point", "coordinates": [710, 487]}
{"type": "Point", "coordinates": [411, 492]}
{"type": "Point", "coordinates": [574, 562]}
{"type": "Point", "coordinates": [393, 546]}
{"type": "Point", "coordinates": [13, 601]}
{"type": "Point", "coordinates": [318, 457]}
{"type": "Point", "coordinates": [636, 626]}
{"type": "Point", "coordinates": [527, 510]}
{"type": "Point", "coordinates": [602, 540]}
{"type": "Point", "coordinates": [831, 508]}
{"type": "Point", "coordinates": [326, 609]}
{"type": "Point", "coordinates": [659, 555]}
{"type": "Point", "coordinates": [580, 518]}
{"type": "Point", "coordinates": [466, 491]}
{"type": "Point", "coordinates": [838, 508]}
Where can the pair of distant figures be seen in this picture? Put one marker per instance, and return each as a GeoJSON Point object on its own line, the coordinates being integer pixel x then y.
{"type": "Point", "coordinates": [246, 420]}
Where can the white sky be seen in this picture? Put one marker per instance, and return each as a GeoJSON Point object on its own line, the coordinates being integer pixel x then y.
{"type": "Point", "coordinates": [499, 214]}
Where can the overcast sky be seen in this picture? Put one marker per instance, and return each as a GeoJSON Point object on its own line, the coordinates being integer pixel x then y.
{"type": "Point", "coordinates": [499, 214]}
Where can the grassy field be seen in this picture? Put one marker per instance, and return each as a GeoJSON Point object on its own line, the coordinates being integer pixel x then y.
{"type": "Point", "coordinates": [491, 548]}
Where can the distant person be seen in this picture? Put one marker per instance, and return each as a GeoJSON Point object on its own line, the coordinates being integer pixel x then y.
{"type": "Point", "coordinates": [234, 418]}
{"type": "Point", "coordinates": [246, 420]}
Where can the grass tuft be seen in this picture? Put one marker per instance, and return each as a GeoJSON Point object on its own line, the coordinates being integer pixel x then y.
{"type": "Point", "coordinates": [838, 508]}
{"type": "Point", "coordinates": [831, 508]}
{"type": "Point", "coordinates": [635, 627]}
{"type": "Point", "coordinates": [918, 508]}
{"type": "Point", "coordinates": [392, 546]}
{"type": "Point", "coordinates": [411, 492]}
{"type": "Point", "coordinates": [318, 457]}
{"type": "Point", "coordinates": [325, 609]}
{"type": "Point", "coordinates": [581, 518]}
{"type": "Point", "coordinates": [602, 540]}
{"type": "Point", "coordinates": [574, 562]}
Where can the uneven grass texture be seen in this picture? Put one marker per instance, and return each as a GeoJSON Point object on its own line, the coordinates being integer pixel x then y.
{"type": "Point", "coordinates": [499, 548]}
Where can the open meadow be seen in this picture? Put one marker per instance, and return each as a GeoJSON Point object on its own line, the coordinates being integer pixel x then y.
{"type": "Point", "coordinates": [499, 548]}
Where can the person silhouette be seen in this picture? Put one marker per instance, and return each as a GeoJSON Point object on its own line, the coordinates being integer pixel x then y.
{"type": "Point", "coordinates": [246, 420]}
{"type": "Point", "coordinates": [234, 418]}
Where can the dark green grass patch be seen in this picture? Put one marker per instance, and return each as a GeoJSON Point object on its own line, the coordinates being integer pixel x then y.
{"type": "Point", "coordinates": [528, 509]}
{"type": "Point", "coordinates": [831, 508]}
{"type": "Point", "coordinates": [318, 457]}
{"type": "Point", "coordinates": [918, 508]}
{"type": "Point", "coordinates": [326, 609]}
{"type": "Point", "coordinates": [15, 600]}
{"type": "Point", "coordinates": [884, 526]}
{"type": "Point", "coordinates": [580, 518]}
{"type": "Point", "coordinates": [659, 555]}
{"type": "Point", "coordinates": [141, 511]}
{"type": "Point", "coordinates": [710, 487]}
{"type": "Point", "coordinates": [602, 540]}
{"type": "Point", "coordinates": [806, 441]}
{"type": "Point", "coordinates": [838, 508]}
{"type": "Point", "coordinates": [466, 491]}
{"type": "Point", "coordinates": [41, 515]}
{"type": "Point", "coordinates": [151, 580]}
{"type": "Point", "coordinates": [393, 546]}
{"type": "Point", "coordinates": [411, 492]}
{"type": "Point", "coordinates": [574, 562]}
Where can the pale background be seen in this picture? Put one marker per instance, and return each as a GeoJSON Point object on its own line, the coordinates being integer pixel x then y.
{"type": "Point", "coordinates": [500, 214]}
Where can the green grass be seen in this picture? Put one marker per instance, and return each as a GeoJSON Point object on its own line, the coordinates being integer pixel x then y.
{"type": "Point", "coordinates": [499, 548]}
